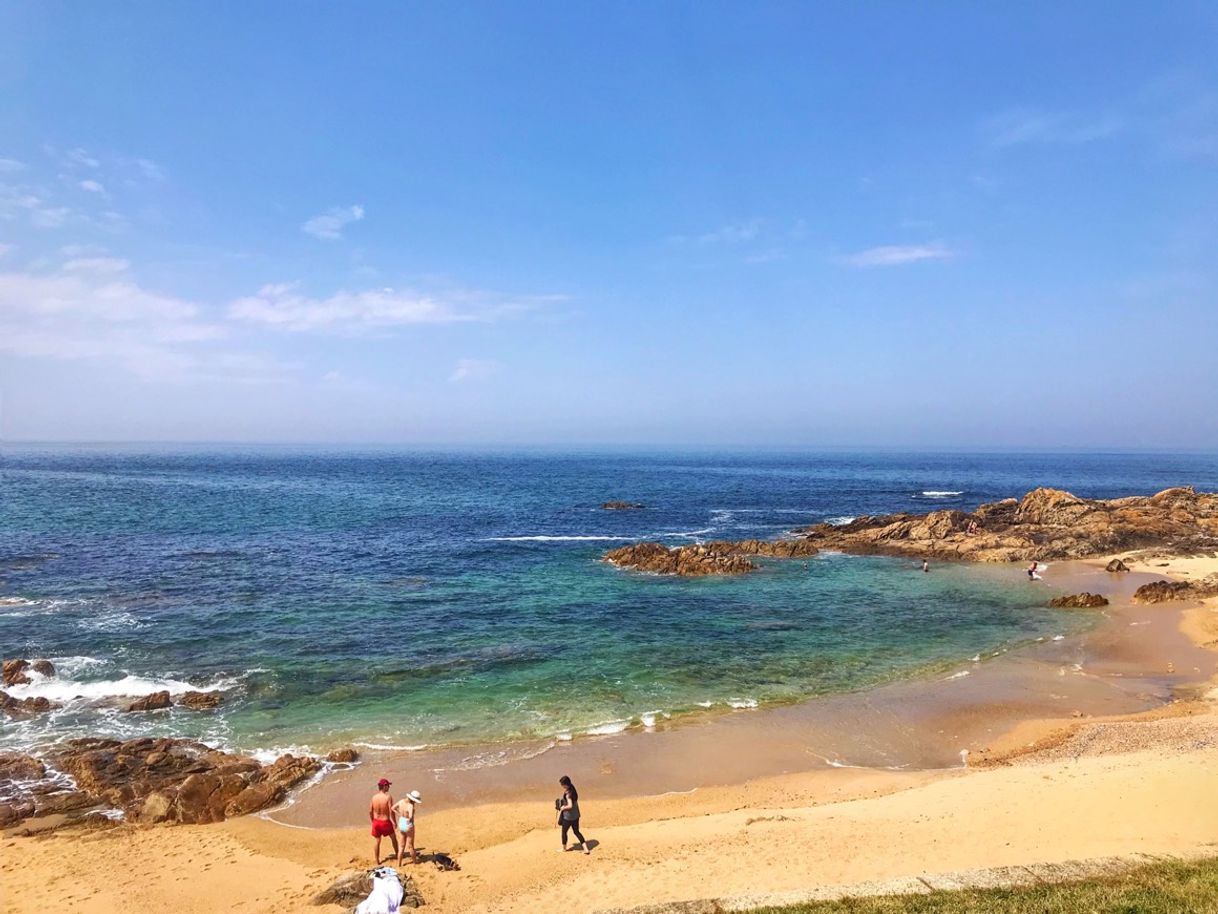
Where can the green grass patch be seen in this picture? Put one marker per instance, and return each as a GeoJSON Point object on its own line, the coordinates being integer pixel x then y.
{"type": "Point", "coordinates": [1175, 887]}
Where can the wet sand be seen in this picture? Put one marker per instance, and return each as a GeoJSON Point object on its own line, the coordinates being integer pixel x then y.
{"type": "Point", "coordinates": [1134, 659]}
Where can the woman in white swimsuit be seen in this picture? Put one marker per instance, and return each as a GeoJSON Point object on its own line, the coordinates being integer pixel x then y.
{"type": "Point", "coordinates": [405, 811]}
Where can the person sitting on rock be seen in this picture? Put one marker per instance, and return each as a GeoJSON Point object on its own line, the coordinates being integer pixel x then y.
{"type": "Point", "coordinates": [380, 814]}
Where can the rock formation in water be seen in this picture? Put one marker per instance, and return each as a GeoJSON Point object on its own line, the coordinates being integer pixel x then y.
{"type": "Point", "coordinates": [1079, 601]}
{"type": "Point", "coordinates": [622, 506]}
{"type": "Point", "coordinates": [149, 780]}
{"type": "Point", "coordinates": [719, 557]}
{"type": "Point", "coordinates": [25, 707]}
{"type": "Point", "coordinates": [1045, 524]}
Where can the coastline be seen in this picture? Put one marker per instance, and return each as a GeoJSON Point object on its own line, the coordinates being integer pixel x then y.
{"type": "Point", "coordinates": [984, 706]}
{"type": "Point", "coordinates": [1045, 797]}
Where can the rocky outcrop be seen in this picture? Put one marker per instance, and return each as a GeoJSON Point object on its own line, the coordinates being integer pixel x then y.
{"type": "Point", "coordinates": [151, 780]}
{"type": "Point", "coordinates": [714, 558]}
{"type": "Point", "coordinates": [345, 755]}
{"type": "Point", "coordinates": [622, 506]}
{"type": "Point", "coordinates": [1116, 565]}
{"type": "Point", "coordinates": [14, 672]}
{"type": "Point", "coordinates": [1079, 601]}
{"type": "Point", "coordinates": [157, 701]}
{"type": "Point", "coordinates": [1044, 524]}
{"type": "Point", "coordinates": [1164, 591]}
{"type": "Point", "coordinates": [199, 701]}
{"type": "Point", "coordinates": [353, 888]}
{"type": "Point", "coordinates": [26, 707]}
{"type": "Point", "coordinates": [43, 667]}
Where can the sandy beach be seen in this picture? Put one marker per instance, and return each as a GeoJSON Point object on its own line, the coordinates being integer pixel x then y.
{"type": "Point", "coordinates": [1039, 788]}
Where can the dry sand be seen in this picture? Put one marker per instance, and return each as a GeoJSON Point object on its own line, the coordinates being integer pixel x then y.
{"type": "Point", "coordinates": [1093, 788]}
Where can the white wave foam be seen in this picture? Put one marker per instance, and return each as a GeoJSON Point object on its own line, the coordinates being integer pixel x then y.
{"type": "Point", "coordinates": [959, 675]}
{"type": "Point", "coordinates": [1059, 637]}
{"type": "Point", "coordinates": [701, 532]}
{"type": "Point", "coordinates": [559, 539]}
{"type": "Point", "coordinates": [66, 690]}
{"type": "Point", "coordinates": [384, 747]}
{"type": "Point", "coordinates": [116, 621]}
{"type": "Point", "coordinates": [741, 703]}
{"type": "Point", "coordinates": [269, 756]}
{"type": "Point", "coordinates": [938, 493]}
{"type": "Point", "coordinates": [649, 718]}
{"type": "Point", "coordinates": [608, 728]}
{"type": "Point", "coordinates": [840, 521]}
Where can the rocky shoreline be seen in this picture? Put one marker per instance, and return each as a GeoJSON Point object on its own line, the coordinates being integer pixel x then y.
{"type": "Point", "coordinates": [1046, 524]}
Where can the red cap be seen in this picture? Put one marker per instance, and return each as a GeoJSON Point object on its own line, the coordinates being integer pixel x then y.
{"type": "Point", "coordinates": [383, 782]}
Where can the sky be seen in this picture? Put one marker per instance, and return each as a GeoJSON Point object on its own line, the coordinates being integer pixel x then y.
{"type": "Point", "coordinates": [679, 223]}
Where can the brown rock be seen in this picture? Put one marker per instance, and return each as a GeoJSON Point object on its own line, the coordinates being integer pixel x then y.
{"type": "Point", "coordinates": [177, 781]}
{"type": "Point", "coordinates": [157, 701]}
{"type": "Point", "coordinates": [253, 798]}
{"type": "Point", "coordinates": [346, 754]}
{"type": "Point", "coordinates": [714, 558]}
{"type": "Point", "coordinates": [1079, 601]}
{"type": "Point", "coordinates": [199, 701]}
{"type": "Point", "coordinates": [43, 667]}
{"type": "Point", "coordinates": [14, 672]}
{"type": "Point", "coordinates": [1045, 524]}
{"type": "Point", "coordinates": [14, 811]}
{"type": "Point", "coordinates": [16, 767]}
{"type": "Point", "coordinates": [1163, 591]}
{"type": "Point", "coordinates": [351, 889]}
{"type": "Point", "coordinates": [25, 707]}
{"type": "Point", "coordinates": [1116, 565]}
{"type": "Point", "coordinates": [622, 506]}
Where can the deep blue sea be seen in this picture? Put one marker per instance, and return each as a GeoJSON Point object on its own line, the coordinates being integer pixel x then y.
{"type": "Point", "coordinates": [395, 598]}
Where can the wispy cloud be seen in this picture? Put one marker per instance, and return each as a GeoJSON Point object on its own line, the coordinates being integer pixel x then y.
{"type": "Point", "coordinates": [735, 233]}
{"type": "Point", "coordinates": [897, 254]}
{"type": "Point", "coordinates": [1040, 127]}
{"type": "Point", "coordinates": [81, 158]}
{"type": "Point", "coordinates": [329, 225]}
{"type": "Point", "coordinates": [97, 265]}
{"type": "Point", "coordinates": [11, 165]}
{"type": "Point", "coordinates": [473, 370]}
{"type": "Point", "coordinates": [93, 187]}
{"type": "Point", "coordinates": [283, 307]}
{"type": "Point", "coordinates": [90, 310]}
{"type": "Point", "coordinates": [5, 248]}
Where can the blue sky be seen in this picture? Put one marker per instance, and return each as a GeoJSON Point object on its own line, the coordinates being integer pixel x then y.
{"type": "Point", "coordinates": [677, 223]}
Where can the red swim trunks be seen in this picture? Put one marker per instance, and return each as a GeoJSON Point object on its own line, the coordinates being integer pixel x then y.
{"type": "Point", "coordinates": [381, 828]}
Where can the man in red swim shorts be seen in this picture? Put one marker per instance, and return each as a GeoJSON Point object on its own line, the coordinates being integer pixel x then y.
{"type": "Point", "coordinates": [380, 815]}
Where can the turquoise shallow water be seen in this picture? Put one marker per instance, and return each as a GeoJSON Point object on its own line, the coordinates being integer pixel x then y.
{"type": "Point", "coordinates": [407, 599]}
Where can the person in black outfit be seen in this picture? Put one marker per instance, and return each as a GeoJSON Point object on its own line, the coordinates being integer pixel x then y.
{"type": "Point", "coordinates": [568, 813]}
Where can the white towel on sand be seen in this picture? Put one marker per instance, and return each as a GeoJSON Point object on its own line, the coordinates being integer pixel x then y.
{"type": "Point", "coordinates": [386, 894]}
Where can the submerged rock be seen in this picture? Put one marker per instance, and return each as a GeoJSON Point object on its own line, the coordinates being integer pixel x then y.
{"type": "Point", "coordinates": [199, 701]}
{"type": "Point", "coordinates": [1079, 601]}
{"type": "Point", "coordinates": [622, 506]}
{"type": "Point", "coordinates": [24, 707]}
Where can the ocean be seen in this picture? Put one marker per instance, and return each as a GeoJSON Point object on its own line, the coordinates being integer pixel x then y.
{"type": "Point", "coordinates": [402, 599]}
